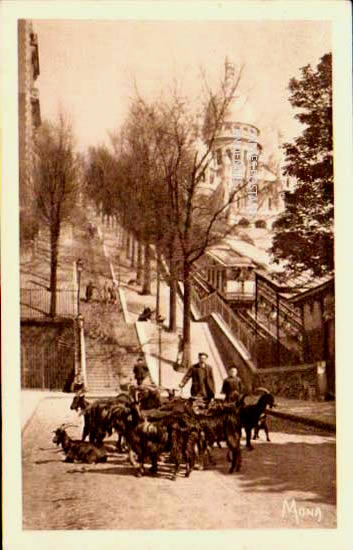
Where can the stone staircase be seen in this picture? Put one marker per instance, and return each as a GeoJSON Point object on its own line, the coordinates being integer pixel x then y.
{"type": "Point", "coordinates": [111, 349]}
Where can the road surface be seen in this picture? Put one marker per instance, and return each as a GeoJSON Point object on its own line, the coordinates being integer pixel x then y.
{"type": "Point", "coordinates": [287, 483]}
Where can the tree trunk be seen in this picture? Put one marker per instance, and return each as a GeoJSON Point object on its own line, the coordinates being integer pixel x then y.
{"type": "Point", "coordinates": [132, 263]}
{"type": "Point", "coordinates": [54, 252]}
{"type": "Point", "coordinates": [186, 315]}
{"type": "Point", "coordinates": [128, 244]}
{"type": "Point", "coordinates": [158, 283]}
{"type": "Point", "coordinates": [146, 289]}
{"type": "Point", "coordinates": [139, 263]}
{"type": "Point", "coordinates": [172, 304]}
{"type": "Point", "coordinates": [173, 281]}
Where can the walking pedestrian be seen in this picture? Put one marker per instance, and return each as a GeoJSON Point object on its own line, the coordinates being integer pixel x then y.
{"type": "Point", "coordinates": [105, 293]}
{"type": "Point", "coordinates": [203, 385]}
{"type": "Point", "coordinates": [232, 384]}
{"type": "Point", "coordinates": [89, 291]}
{"type": "Point", "coordinates": [140, 371]}
{"type": "Point", "coordinates": [113, 294]}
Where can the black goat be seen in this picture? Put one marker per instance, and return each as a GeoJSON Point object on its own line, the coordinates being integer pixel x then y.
{"type": "Point", "coordinates": [145, 439]}
{"type": "Point", "coordinates": [98, 420]}
{"type": "Point", "coordinates": [250, 414]}
{"type": "Point", "coordinates": [162, 432]}
{"type": "Point", "coordinates": [148, 397]}
{"type": "Point", "coordinates": [78, 451]}
{"type": "Point", "coordinates": [221, 422]}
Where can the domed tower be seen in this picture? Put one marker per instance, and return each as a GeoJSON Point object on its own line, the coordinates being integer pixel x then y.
{"type": "Point", "coordinates": [236, 145]}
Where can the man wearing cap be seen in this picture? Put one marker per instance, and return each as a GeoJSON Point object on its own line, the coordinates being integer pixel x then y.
{"type": "Point", "coordinates": [231, 384]}
{"type": "Point", "coordinates": [202, 379]}
{"type": "Point", "coordinates": [140, 371]}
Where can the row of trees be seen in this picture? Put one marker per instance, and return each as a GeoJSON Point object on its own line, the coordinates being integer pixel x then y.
{"type": "Point", "coordinates": [158, 168]}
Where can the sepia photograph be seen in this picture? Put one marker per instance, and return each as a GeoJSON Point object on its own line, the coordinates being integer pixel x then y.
{"type": "Point", "coordinates": [177, 259]}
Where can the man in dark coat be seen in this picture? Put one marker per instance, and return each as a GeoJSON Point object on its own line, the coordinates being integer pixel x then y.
{"type": "Point", "coordinates": [231, 384]}
{"type": "Point", "coordinates": [202, 379]}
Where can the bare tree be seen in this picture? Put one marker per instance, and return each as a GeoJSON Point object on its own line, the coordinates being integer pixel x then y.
{"type": "Point", "coordinates": [184, 153]}
{"type": "Point", "coordinates": [56, 187]}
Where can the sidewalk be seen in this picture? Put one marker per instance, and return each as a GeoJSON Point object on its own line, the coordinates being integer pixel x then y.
{"type": "Point", "coordinates": [319, 414]}
{"type": "Point", "coordinates": [30, 400]}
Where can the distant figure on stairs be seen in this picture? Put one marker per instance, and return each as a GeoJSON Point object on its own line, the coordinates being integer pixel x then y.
{"type": "Point", "coordinates": [146, 314]}
{"type": "Point", "coordinates": [89, 291]}
{"type": "Point", "coordinates": [113, 294]}
{"type": "Point", "coordinates": [105, 293]}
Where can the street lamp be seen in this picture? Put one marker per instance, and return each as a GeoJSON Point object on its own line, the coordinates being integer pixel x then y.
{"type": "Point", "coordinates": [79, 268]}
{"type": "Point", "coordinates": [79, 378]}
{"type": "Point", "coordinates": [80, 321]}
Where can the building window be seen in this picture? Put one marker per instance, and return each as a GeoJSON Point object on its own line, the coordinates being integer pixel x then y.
{"type": "Point", "coordinates": [245, 156]}
{"type": "Point", "coordinates": [270, 204]}
{"type": "Point", "coordinates": [219, 156]}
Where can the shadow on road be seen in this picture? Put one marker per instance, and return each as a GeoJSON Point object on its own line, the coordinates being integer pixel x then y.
{"type": "Point", "coordinates": [292, 466]}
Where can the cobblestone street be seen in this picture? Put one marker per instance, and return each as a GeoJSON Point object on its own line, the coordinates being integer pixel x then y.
{"type": "Point", "coordinates": [299, 464]}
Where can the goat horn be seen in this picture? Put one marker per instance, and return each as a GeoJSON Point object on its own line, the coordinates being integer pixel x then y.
{"type": "Point", "coordinates": [263, 389]}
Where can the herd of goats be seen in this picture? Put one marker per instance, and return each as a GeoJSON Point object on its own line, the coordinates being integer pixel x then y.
{"type": "Point", "coordinates": [148, 426]}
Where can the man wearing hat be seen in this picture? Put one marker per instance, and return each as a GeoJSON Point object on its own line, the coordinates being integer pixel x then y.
{"type": "Point", "coordinates": [202, 379]}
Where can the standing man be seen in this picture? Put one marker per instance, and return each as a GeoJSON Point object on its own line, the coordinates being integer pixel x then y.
{"type": "Point", "coordinates": [202, 379]}
{"type": "Point", "coordinates": [232, 384]}
{"type": "Point", "coordinates": [140, 371]}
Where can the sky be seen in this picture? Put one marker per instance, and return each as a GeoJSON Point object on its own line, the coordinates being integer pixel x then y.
{"type": "Point", "coordinates": [88, 68]}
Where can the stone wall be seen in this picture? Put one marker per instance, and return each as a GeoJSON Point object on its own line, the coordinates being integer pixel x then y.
{"type": "Point", "coordinates": [292, 382]}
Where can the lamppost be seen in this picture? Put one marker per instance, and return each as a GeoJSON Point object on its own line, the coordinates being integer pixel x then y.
{"type": "Point", "coordinates": [79, 268]}
{"type": "Point", "coordinates": [79, 379]}
{"type": "Point", "coordinates": [160, 320]}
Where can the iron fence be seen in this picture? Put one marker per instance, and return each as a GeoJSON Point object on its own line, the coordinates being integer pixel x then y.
{"type": "Point", "coordinates": [48, 366]}
{"type": "Point", "coordinates": [35, 302]}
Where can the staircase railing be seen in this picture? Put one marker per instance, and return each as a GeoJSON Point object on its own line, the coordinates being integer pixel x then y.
{"type": "Point", "coordinates": [213, 303]}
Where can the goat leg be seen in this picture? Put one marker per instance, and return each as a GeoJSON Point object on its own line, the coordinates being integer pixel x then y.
{"type": "Point", "coordinates": [85, 432]}
{"type": "Point", "coordinates": [248, 438]}
{"type": "Point", "coordinates": [266, 432]}
{"type": "Point", "coordinates": [154, 466]}
{"type": "Point", "coordinates": [132, 458]}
